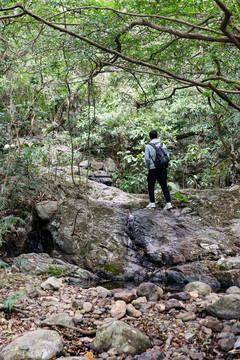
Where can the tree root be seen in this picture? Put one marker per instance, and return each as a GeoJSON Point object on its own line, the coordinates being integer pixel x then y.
{"type": "Point", "coordinates": [84, 332]}
{"type": "Point", "coordinates": [13, 308]}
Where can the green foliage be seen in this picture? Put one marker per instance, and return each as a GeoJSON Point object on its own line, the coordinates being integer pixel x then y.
{"type": "Point", "coordinates": [4, 265]}
{"type": "Point", "coordinates": [180, 197]}
{"type": "Point", "coordinates": [11, 300]}
{"type": "Point", "coordinates": [47, 117]}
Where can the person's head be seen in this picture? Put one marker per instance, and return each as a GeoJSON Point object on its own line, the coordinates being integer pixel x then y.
{"type": "Point", "coordinates": [153, 134]}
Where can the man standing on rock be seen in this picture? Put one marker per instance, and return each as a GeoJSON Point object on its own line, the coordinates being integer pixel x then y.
{"type": "Point", "coordinates": [156, 174]}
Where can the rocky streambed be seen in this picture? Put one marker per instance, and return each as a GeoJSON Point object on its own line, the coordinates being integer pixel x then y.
{"type": "Point", "coordinates": [46, 318]}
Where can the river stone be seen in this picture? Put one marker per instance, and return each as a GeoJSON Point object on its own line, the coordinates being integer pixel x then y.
{"type": "Point", "coordinates": [227, 307]}
{"type": "Point", "coordinates": [235, 328]}
{"type": "Point", "coordinates": [125, 295]}
{"type": "Point", "coordinates": [35, 345]}
{"type": "Point", "coordinates": [179, 296]}
{"type": "Point", "coordinates": [233, 290]}
{"type": "Point", "coordinates": [52, 283]}
{"type": "Point", "coordinates": [202, 288]}
{"type": "Point", "coordinates": [226, 344]}
{"type": "Point", "coordinates": [119, 309]}
{"type": "Point", "coordinates": [150, 290]}
{"type": "Point", "coordinates": [123, 337]}
{"type": "Point", "coordinates": [131, 311]}
{"type": "Point", "coordinates": [150, 355]}
{"type": "Point", "coordinates": [59, 319]}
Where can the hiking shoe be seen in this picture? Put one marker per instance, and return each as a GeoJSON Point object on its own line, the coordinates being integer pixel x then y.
{"type": "Point", "coordinates": [150, 205]}
{"type": "Point", "coordinates": [168, 206]}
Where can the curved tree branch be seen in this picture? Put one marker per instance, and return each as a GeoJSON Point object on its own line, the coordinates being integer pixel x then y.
{"type": "Point", "coordinates": [225, 22]}
{"type": "Point", "coordinates": [117, 54]}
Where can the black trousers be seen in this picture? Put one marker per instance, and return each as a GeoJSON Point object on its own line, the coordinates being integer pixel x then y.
{"type": "Point", "coordinates": [160, 176]}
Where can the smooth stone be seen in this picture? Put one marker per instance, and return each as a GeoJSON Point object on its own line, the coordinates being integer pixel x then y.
{"type": "Point", "coordinates": [202, 288]}
{"type": "Point", "coordinates": [119, 309]}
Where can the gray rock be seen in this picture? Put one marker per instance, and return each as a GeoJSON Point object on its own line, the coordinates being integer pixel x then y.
{"type": "Point", "coordinates": [233, 290]}
{"type": "Point", "coordinates": [102, 177]}
{"type": "Point", "coordinates": [139, 301]}
{"type": "Point", "coordinates": [35, 345]}
{"type": "Point", "coordinates": [52, 283]}
{"type": "Point", "coordinates": [125, 295]}
{"type": "Point", "coordinates": [150, 355]}
{"type": "Point", "coordinates": [131, 311]}
{"type": "Point", "coordinates": [235, 328]}
{"type": "Point", "coordinates": [215, 325]}
{"type": "Point", "coordinates": [110, 165]}
{"type": "Point", "coordinates": [226, 344]}
{"type": "Point", "coordinates": [202, 288]}
{"type": "Point", "coordinates": [151, 291]}
{"type": "Point", "coordinates": [227, 307]}
{"type": "Point", "coordinates": [107, 234]}
{"type": "Point", "coordinates": [41, 263]}
{"type": "Point", "coordinates": [173, 303]}
{"type": "Point", "coordinates": [187, 316]}
{"type": "Point", "coordinates": [87, 307]}
{"type": "Point", "coordinates": [227, 271]}
{"type": "Point", "coordinates": [59, 319]}
{"type": "Point", "coordinates": [46, 209]}
{"type": "Point", "coordinates": [198, 271]}
{"type": "Point", "coordinates": [103, 292]}
{"type": "Point", "coordinates": [184, 295]}
{"type": "Point", "coordinates": [31, 291]}
{"type": "Point", "coordinates": [237, 344]}
{"type": "Point", "coordinates": [123, 337]}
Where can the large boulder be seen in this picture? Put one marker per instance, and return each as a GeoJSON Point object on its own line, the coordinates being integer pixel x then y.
{"type": "Point", "coordinates": [90, 235]}
{"type": "Point", "coordinates": [123, 337]}
{"type": "Point", "coordinates": [227, 307]}
{"type": "Point", "coordinates": [35, 345]}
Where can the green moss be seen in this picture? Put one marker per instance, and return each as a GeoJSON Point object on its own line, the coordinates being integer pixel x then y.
{"type": "Point", "coordinates": [110, 268]}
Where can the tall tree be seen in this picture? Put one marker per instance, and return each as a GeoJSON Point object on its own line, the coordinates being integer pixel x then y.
{"type": "Point", "coordinates": [184, 44]}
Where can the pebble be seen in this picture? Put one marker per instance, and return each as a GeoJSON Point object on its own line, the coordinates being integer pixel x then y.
{"type": "Point", "coordinates": [187, 316]}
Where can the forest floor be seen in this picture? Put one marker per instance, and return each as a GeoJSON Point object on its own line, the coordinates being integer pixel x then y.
{"type": "Point", "coordinates": [177, 324]}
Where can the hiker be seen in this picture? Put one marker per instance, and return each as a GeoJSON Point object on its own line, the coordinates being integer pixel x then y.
{"type": "Point", "coordinates": [157, 170]}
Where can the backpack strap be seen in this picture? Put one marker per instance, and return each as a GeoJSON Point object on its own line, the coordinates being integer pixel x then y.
{"type": "Point", "coordinates": [156, 147]}
{"type": "Point", "coordinates": [161, 150]}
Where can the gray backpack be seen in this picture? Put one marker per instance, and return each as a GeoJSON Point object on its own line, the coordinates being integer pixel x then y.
{"type": "Point", "coordinates": [161, 158]}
